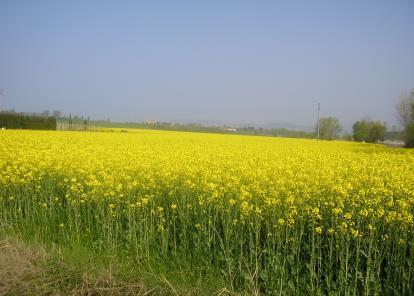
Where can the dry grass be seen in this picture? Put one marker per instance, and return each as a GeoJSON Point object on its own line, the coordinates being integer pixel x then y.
{"type": "Point", "coordinates": [17, 268]}
{"type": "Point", "coordinates": [28, 270]}
{"type": "Point", "coordinates": [31, 271]}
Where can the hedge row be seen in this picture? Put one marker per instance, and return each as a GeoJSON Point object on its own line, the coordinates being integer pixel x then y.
{"type": "Point", "coordinates": [21, 121]}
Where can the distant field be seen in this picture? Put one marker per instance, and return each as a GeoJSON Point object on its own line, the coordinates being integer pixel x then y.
{"type": "Point", "coordinates": [248, 214]}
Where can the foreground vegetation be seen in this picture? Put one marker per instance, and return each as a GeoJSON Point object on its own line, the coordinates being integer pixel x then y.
{"type": "Point", "coordinates": [30, 269]}
{"type": "Point", "coordinates": [238, 213]}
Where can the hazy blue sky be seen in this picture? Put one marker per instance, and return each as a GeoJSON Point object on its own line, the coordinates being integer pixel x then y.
{"type": "Point", "coordinates": [228, 61]}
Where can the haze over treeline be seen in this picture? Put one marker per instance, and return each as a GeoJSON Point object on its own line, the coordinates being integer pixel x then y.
{"type": "Point", "coordinates": [234, 62]}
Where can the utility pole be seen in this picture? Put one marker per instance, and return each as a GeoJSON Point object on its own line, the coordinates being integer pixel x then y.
{"type": "Point", "coordinates": [1, 96]}
{"type": "Point", "coordinates": [319, 108]}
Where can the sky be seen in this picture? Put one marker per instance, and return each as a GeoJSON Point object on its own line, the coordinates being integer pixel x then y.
{"type": "Point", "coordinates": [232, 62]}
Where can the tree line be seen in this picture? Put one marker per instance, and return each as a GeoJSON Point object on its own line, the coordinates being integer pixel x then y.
{"type": "Point", "coordinates": [25, 121]}
{"type": "Point", "coordinates": [373, 131]}
{"type": "Point", "coordinates": [365, 130]}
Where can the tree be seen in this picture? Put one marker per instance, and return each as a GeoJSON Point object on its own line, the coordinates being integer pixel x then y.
{"type": "Point", "coordinates": [409, 136]}
{"type": "Point", "coordinates": [376, 132]}
{"type": "Point", "coordinates": [56, 113]}
{"type": "Point", "coordinates": [360, 131]}
{"type": "Point", "coordinates": [369, 131]}
{"type": "Point", "coordinates": [45, 113]}
{"type": "Point", "coordinates": [329, 128]}
{"type": "Point", "coordinates": [405, 114]}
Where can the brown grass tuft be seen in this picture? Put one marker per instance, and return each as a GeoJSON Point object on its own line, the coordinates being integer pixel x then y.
{"type": "Point", "coordinates": [18, 268]}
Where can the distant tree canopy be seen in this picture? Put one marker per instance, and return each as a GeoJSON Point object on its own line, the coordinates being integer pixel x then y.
{"type": "Point", "coordinates": [21, 121]}
{"type": "Point", "coordinates": [405, 112]}
{"type": "Point", "coordinates": [329, 128]}
{"type": "Point", "coordinates": [370, 131]}
{"type": "Point", "coordinates": [57, 113]}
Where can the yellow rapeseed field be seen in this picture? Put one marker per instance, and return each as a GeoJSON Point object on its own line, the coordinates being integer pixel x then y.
{"type": "Point", "coordinates": [270, 214]}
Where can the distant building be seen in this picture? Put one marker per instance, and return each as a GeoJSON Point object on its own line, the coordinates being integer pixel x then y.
{"type": "Point", "coordinates": [151, 122]}
{"type": "Point", "coordinates": [231, 130]}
